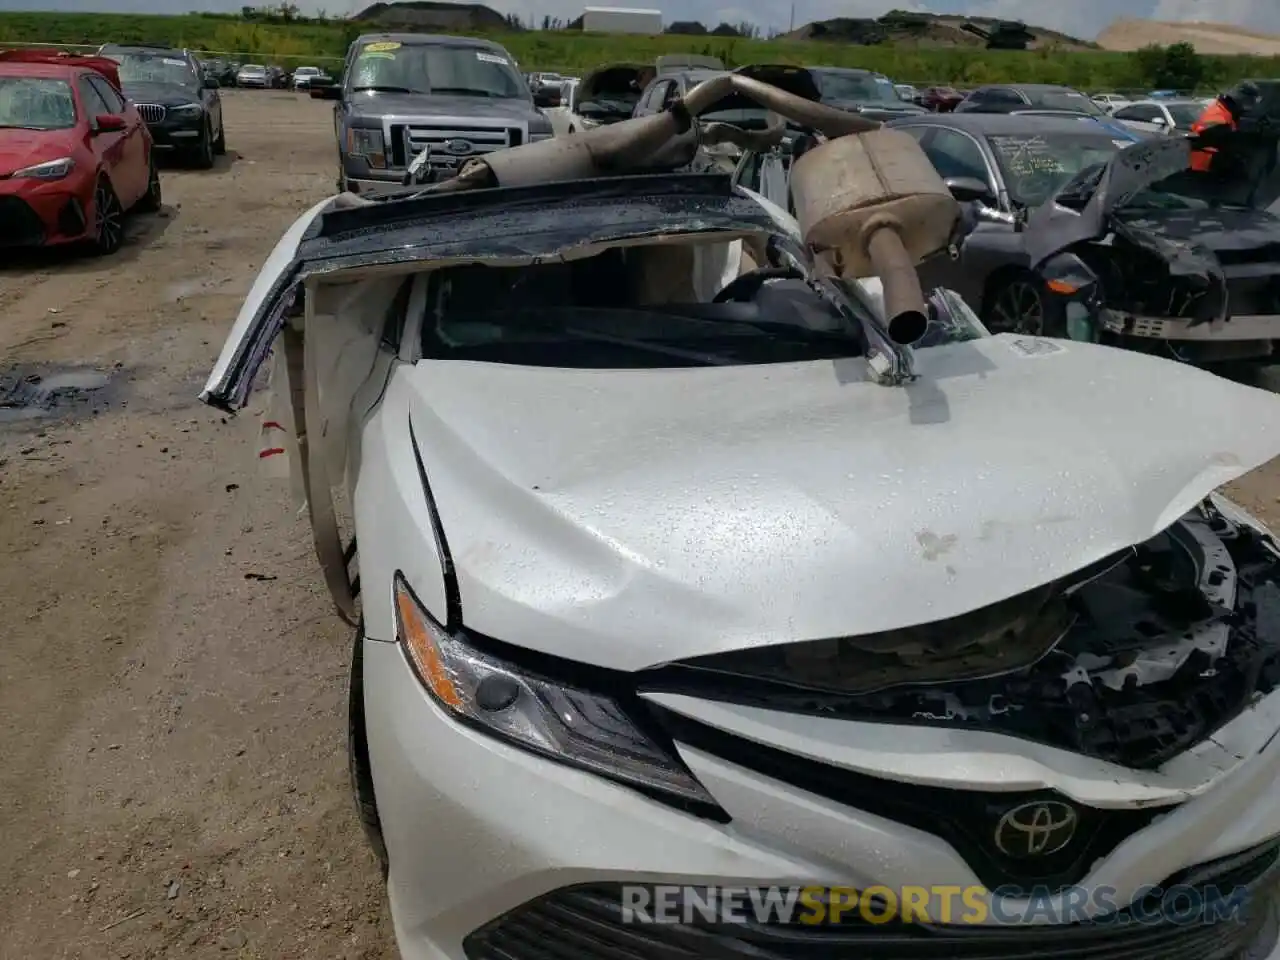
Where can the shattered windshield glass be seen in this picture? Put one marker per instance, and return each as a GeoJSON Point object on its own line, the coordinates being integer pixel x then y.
{"type": "Point", "coordinates": [1036, 166]}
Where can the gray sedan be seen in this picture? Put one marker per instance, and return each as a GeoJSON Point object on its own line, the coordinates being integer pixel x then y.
{"type": "Point", "coordinates": [1009, 163]}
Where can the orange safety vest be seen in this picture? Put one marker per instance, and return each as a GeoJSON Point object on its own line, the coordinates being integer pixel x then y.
{"type": "Point", "coordinates": [1214, 115]}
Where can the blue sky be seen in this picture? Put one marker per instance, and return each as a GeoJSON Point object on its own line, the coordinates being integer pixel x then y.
{"type": "Point", "coordinates": [1082, 18]}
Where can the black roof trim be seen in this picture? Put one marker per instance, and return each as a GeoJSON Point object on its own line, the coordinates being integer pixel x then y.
{"type": "Point", "coordinates": [388, 213]}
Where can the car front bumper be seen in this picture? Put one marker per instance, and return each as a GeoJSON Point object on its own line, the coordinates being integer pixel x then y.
{"type": "Point", "coordinates": [34, 213]}
{"type": "Point", "coordinates": [1242, 328]}
{"type": "Point", "coordinates": [176, 132]}
{"type": "Point", "coordinates": [496, 853]}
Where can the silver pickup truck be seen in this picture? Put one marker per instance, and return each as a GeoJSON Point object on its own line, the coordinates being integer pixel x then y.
{"type": "Point", "coordinates": [405, 93]}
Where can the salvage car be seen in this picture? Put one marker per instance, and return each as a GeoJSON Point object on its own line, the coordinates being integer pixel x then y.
{"type": "Point", "coordinates": [1166, 116]}
{"type": "Point", "coordinates": [861, 91]}
{"type": "Point", "coordinates": [74, 153]}
{"type": "Point", "coordinates": [605, 95]}
{"type": "Point", "coordinates": [1012, 98]}
{"type": "Point", "coordinates": [697, 544]}
{"type": "Point", "coordinates": [407, 95]}
{"type": "Point", "coordinates": [181, 105]}
{"type": "Point", "coordinates": [253, 75]}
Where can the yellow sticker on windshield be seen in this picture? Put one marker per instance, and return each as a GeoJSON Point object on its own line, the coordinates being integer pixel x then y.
{"type": "Point", "coordinates": [382, 46]}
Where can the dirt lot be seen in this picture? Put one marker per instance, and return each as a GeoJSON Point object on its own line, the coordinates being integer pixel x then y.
{"type": "Point", "coordinates": [172, 681]}
{"type": "Point", "coordinates": [172, 727]}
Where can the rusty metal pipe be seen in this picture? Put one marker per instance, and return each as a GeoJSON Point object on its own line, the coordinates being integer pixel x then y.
{"type": "Point", "coordinates": [904, 306]}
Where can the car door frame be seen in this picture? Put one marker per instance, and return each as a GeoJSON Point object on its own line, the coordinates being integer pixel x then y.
{"type": "Point", "coordinates": [959, 274]}
{"type": "Point", "coordinates": [137, 157]}
{"type": "Point", "coordinates": [109, 147]}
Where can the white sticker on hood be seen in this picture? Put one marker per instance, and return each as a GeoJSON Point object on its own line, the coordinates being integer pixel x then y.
{"type": "Point", "coordinates": [1035, 347]}
{"type": "Point", "coordinates": [491, 58]}
{"type": "Point", "coordinates": [174, 63]}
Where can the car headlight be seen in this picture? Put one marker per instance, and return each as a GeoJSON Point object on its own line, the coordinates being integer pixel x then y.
{"type": "Point", "coordinates": [49, 170]}
{"type": "Point", "coordinates": [187, 110]}
{"type": "Point", "coordinates": [369, 144]}
{"type": "Point", "coordinates": [559, 721]}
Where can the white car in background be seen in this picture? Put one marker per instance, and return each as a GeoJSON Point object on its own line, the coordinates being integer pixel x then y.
{"type": "Point", "coordinates": [303, 76]}
{"type": "Point", "coordinates": [1110, 101]}
{"type": "Point", "coordinates": [252, 75]}
{"type": "Point", "coordinates": [1169, 117]}
{"type": "Point", "coordinates": [669, 573]}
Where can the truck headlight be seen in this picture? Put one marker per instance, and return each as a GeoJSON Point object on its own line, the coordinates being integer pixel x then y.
{"type": "Point", "coordinates": [561, 722]}
{"type": "Point", "coordinates": [369, 144]}
{"type": "Point", "coordinates": [535, 136]}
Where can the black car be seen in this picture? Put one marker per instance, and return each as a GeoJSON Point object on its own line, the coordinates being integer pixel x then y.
{"type": "Point", "coordinates": [221, 71]}
{"type": "Point", "coordinates": [179, 102]}
{"type": "Point", "coordinates": [1015, 97]}
{"type": "Point", "coordinates": [1180, 262]}
{"type": "Point", "coordinates": [860, 91]}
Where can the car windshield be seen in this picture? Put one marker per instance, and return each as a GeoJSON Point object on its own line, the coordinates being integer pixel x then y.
{"type": "Point", "coordinates": [36, 103]}
{"type": "Point", "coordinates": [1064, 100]}
{"type": "Point", "coordinates": [253, 68]}
{"type": "Point", "coordinates": [306, 71]}
{"type": "Point", "coordinates": [855, 86]}
{"type": "Point", "coordinates": [1184, 114]}
{"type": "Point", "coordinates": [594, 313]}
{"type": "Point", "coordinates": [436, 68]}
{"type": "Point", "coordinates": [153, 68]}
{"type": "Point", "coordinates": [1036, 165]}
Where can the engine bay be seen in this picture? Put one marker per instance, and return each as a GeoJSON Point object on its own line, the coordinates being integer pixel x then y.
{"type": "Point", "coordinates": [1133, 661]}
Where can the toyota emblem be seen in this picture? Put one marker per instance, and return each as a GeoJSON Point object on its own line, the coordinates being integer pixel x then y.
{"type": "Point", "coordinates": [1037, 829]}
{"type": "Point", "coordinates": [460, 148]}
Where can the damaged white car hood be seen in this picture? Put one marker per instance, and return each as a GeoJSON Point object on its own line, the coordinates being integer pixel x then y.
{"type": "Point", "coordinates": [631, 518]}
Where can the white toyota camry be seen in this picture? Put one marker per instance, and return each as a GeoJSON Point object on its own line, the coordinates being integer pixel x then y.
{"type": "Point", "coordinates": [684, 597]}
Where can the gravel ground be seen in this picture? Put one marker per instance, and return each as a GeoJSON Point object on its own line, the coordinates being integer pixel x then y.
{"type": "Point", "coordinates": [172, 681]}
{"type": "Point", "coordinates": [174, 781]}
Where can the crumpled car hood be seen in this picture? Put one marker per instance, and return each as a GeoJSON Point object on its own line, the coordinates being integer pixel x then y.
{"type": "Point", "coordinates": [629, 518]}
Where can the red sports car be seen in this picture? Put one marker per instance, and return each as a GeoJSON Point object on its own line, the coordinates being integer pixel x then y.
{"type": "Point", "coordinates": [74, 153]}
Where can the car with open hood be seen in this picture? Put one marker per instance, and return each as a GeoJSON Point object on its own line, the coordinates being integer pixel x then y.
{"type": "Point", "coordinates": [716, 587]}
{"type": "Point", "coordinates": [605, 95]}
{"type": "Point", "coordinates": [75, 156]}
{"type": "Point", "coordinates": [1169, 257]}
{"type": "Point", "coordinates": [1185, 266]}
{"type": "Point", "coordinates": [181, 103]}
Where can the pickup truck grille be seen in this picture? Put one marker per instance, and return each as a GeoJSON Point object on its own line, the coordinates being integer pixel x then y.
{"type": "Point", "coordinates": [451, 144]}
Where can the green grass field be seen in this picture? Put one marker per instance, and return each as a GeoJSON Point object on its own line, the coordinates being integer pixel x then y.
{"type": "Point", "coordinates": [291, 44]}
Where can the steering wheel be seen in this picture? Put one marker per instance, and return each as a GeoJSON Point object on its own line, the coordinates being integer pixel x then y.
{"type": "Point", "coordinates": [746, 285]}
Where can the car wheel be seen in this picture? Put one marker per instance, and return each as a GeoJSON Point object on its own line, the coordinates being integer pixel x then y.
{"type": "Point", "coordinates": [220, 144]}
{"type": "Point", "coordinates": [358, 755]}
{"type": "Point", "coordinates": [202, 156]}
{"type": "Point", "coordinates": [1017, 305]}
{"type": "Point", "coordinates": [153, 198]}
{"type": "Point", "coordinates": [108, 219]}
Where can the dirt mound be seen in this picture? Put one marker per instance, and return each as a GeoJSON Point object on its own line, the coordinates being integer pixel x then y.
{"type": "Point", "coordinates": [433, 17]}
{"type": "Point", "coordinates": [900, 28]}
{"type": "Point", "coordinates": [1211, 38]}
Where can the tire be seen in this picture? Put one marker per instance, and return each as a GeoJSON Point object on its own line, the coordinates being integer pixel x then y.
{"type": "Point", "coordinates": [153, 199]}
{"type": "Point", "coordinates": [108, 218]}
{"type": "Point", "coordinates": [1016, 304]}
{"type": "Point", "coordinates": [220, 144]}
{"type": "Point", "coordinates": [358, 756]}
{"type": "Point", "coordinates": [202, 155]}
